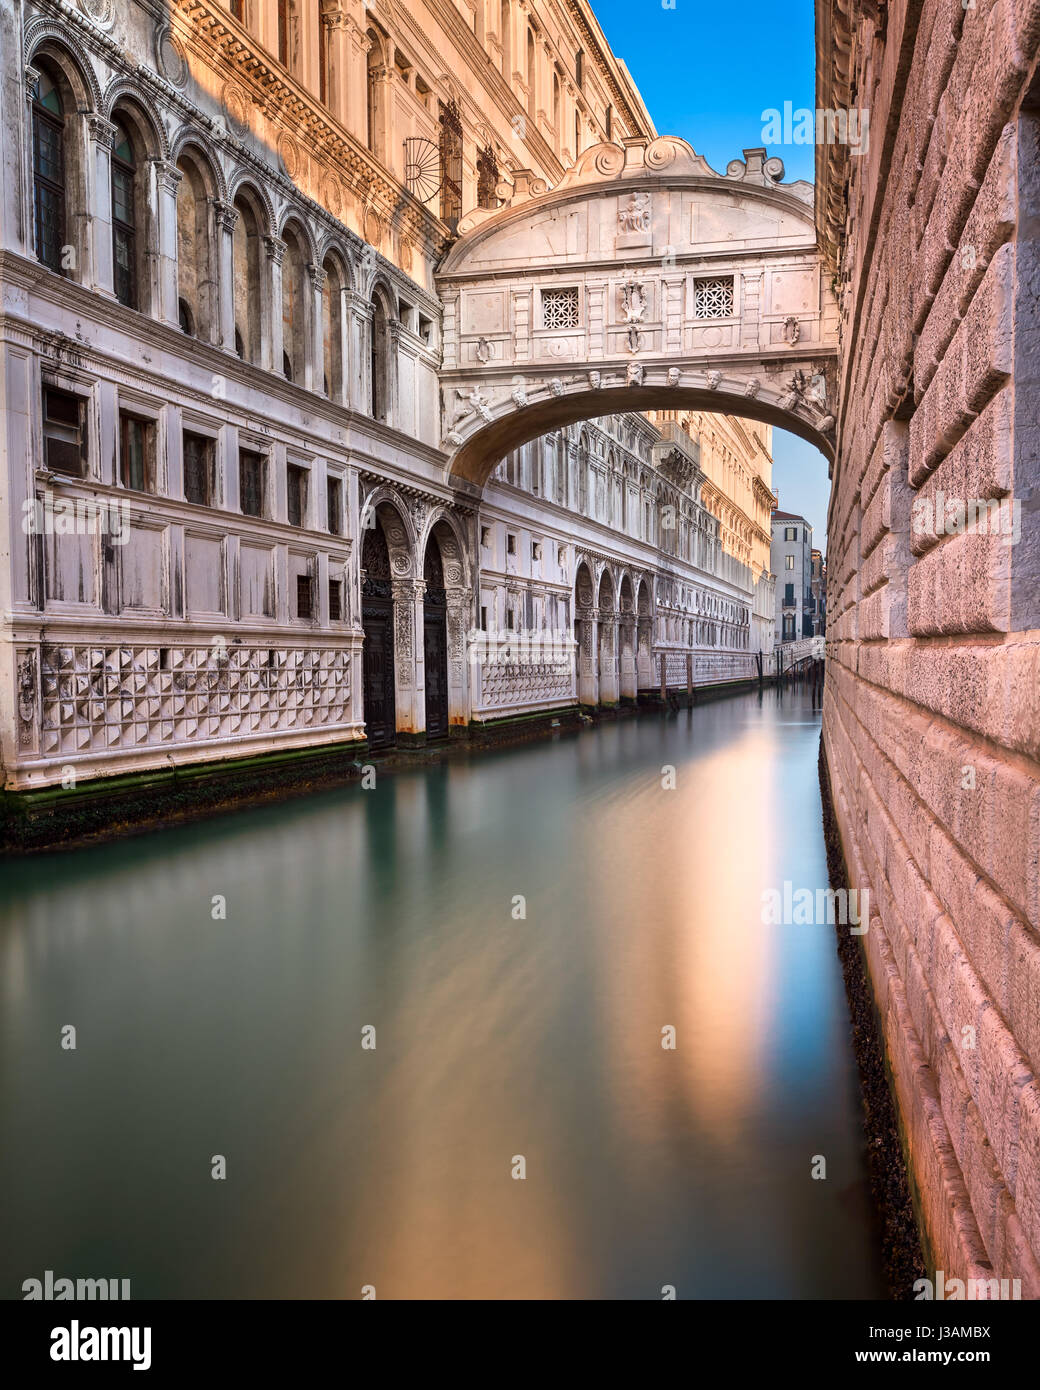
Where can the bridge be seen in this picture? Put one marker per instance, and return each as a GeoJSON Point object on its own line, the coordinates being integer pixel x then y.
{"type": "Point", "coordinates": [644, 280]}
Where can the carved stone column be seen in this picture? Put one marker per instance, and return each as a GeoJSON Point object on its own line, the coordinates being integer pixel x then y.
{"type": "Point", "coordinates": [608, 673]}
{"type": "Point", "coordinates": [225, 219]}
{"type": "Point", "coordinates": [28, 699]}
{"type": "Point", "coordinates": [315, 366]}
{"type": "Point", "coordinates": [358, 313]}
{"type": "Point", "coordinates": [272, 335]}
{"type": "Point", "coordinates": [393, 385]}
{"type": "Point", "coordinates": [166, 180]}
{"type": "Point", "coordinates": [409, 673]}
{"type": "Point", "coordinates": [340, 74]}
{"type": "Point", "coordinates": [628, 678]}
{"type": "Point", "coordinates": [21, 220]}
{"type": "Point", "coordinates": [587, 639]}
{"type": "Point", "coordinates": [381, 137]}
{"type": "Point", "coordinates": [644, 658]}
{"type": "Point", "coordinates": [102, 136]}
{"type": "Point", "coordinates": [460, 616]}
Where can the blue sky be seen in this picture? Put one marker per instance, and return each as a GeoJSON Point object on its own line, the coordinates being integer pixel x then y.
{"type": "Point", "coordinates": [707, 72]}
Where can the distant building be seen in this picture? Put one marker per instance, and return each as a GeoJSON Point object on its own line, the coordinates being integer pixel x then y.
{"type": "Point", "coordinates": [790, 559]}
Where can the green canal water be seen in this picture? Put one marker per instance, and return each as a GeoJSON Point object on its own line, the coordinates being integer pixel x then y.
{"type": "Point", "coordinates": [500, 1036]}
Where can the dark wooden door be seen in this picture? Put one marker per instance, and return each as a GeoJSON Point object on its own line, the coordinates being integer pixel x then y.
{"type": "Point", "coordinates": [378, 674]}
{"type": "Point", "coordinates": [435, 656]}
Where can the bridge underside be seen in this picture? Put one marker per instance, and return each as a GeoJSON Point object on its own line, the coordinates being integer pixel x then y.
{"type": "Point", "coordinates": [476, 459]}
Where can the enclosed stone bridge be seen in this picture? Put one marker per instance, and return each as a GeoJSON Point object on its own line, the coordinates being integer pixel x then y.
{"type": "Point", "coordinates": [643, 281]}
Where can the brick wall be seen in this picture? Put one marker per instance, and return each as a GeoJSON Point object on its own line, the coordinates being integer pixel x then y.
{"type": "Point", "coordinates": [932, 709]}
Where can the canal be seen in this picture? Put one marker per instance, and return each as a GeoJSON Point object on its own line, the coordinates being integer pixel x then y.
{"type": "Point", "coordinates": [520, 929]}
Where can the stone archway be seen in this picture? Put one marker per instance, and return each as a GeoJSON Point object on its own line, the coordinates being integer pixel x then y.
{"type": "Point", "coordinates": [585, 634]}
{"type": "Point", "coordinates": [435, 643]}
{"type": "Point", "coordinates": [451, 546]}
{"type": "Point", "coordinates": [377, 620]}
{"type": "Point", "coordinates": [643, 281]}
{"type": "Point", "coordinates": [391, 604]}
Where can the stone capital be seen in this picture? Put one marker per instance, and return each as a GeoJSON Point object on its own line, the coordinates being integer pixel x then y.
{"type": "Point", "coordinates": [167, 176]}
{"type": "Point", "coordinates": [102, 131]}
{"type": "Point", "coordinates": [406, 589]}
{"type": "Point", "coordinates": [32, 77]}
{"type": "Point", "coordinates": [226, 215]}
{"type": "Point", "coordinates": [319, 277]}
{"type": "Point", "coordinates": [275, 248]}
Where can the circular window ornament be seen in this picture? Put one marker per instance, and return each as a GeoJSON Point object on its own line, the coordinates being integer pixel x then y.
{"type": "Point", "coordinates": [170, 57]}
{"type": "Point", "coordinates": [99, 11]}
{"type": "Point", "coordinates": [289, 155]}
{"type": "Point", "coordinates": [235, 111]}
{"type": "Point", "coordinates": [373, 227]}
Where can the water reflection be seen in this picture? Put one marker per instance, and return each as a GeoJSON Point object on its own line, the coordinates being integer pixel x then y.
{"type": "Point", "coordinates": [497, 1037]}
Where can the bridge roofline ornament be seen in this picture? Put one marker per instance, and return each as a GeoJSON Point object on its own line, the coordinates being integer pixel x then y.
{"type": "Point", "coordinates": [667, 157]}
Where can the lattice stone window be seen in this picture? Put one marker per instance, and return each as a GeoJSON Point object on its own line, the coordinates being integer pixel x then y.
{"type": "Point", "coordinates": [560, 308]}
{"type": "Point", "coordinates": [713, 299]}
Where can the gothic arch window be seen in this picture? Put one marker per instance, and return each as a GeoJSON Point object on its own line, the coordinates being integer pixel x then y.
{"type": "Point", "coordinates": [196, 262]}
{"type": "Point", "coordinates": [247, 262]}
{"type": "Point", "coordinates": [294, 308]}
{"type": "Point", "coordinates": [49, 172]}
{"type": "Point", "coordinates": [129, 207]}
{"type": "Point", "coordinates": [332, 327]}
{"type": "Point", "coordinates": [380, 360]}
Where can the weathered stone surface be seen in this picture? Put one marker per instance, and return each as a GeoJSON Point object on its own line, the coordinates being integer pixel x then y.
{"type": "Point", "coordinates": [932, 729]}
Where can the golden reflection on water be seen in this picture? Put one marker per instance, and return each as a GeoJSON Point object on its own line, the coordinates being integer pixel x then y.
{"type": "Point", "coordinates": [497, 1037]}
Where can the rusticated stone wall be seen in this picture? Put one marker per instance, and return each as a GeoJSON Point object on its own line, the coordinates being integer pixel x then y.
{"type": "Point", "coordinates": [932, 709]}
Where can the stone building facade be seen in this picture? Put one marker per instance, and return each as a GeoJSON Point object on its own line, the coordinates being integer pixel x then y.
{"type": "Point", "coordinates": [227, 528]}
{"type": "Point", "coordinates": [931, 715]}
{"type": "Point", "coordinates": [791, 560]}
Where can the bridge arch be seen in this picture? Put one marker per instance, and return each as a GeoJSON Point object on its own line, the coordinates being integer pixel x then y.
{"type": "Point", "coordinates": [643, 281]}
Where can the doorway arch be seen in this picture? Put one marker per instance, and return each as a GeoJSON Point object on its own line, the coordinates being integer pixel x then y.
{"type": "Point", "coordinates": [377, 620]}
{"type": "Point", "coordinates": [435, 641]}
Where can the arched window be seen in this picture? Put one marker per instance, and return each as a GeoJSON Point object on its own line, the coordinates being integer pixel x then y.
{"type": "Point", "coordinates": [380, 360]}
{"type": "Point", "coordinates": [124, 218]}
{"type": "Point", "coordinates": [246, 266]}
{"type": "Point", "coordinates": [531, 74]}
{"type": "Point", "coordinates": [294, 314]}
{"type": "Point", "coordinates": [49, 172]}
{"type": "Point", "coordinates": [332, 329]}
{"type": "Point", "coordinates": [505, 36]}
{"type": "Point", "coordinates": [557, 126]}
{"type": "Point", "coordinates": [196, 266]}
{"type": "Point", "coordinates": [450, 148]}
